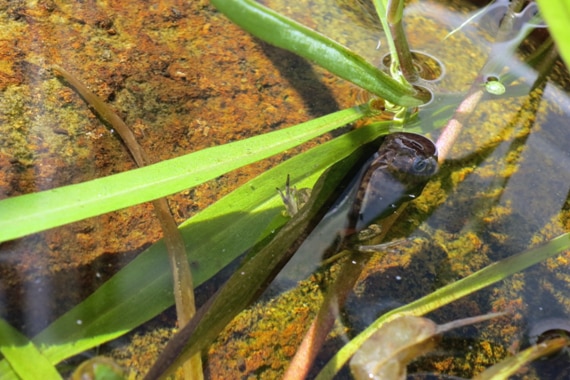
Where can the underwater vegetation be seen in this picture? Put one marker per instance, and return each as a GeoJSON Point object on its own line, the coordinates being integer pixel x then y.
{"type": "Point", "coordinates": [421, 185]}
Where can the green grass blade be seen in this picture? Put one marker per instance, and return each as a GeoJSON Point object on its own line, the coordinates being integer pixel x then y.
{"type": "Point", "coordinates": [557, 15]}
{"type": "Point", "coordinates": [26, 214]}
{"type": "Point", "coordinates": [287, 34]}
{"type": "Point", "coordinates": [143, 288]}
{"type": "Point", "coordinates": [23, 357]}
{"type": "Point", "coordinates": [487, 276]}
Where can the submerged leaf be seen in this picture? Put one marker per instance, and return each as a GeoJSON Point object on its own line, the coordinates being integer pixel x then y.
{"type": "Point", "coordinates": [98, 368]}
{"type": "Point", "coordinates": [388, 351]}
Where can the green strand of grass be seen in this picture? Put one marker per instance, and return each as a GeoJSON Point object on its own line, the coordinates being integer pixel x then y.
{"type": "Point", "coordinates": [23, 356]}
{"type": "Point", "coordinates": [30, 213]}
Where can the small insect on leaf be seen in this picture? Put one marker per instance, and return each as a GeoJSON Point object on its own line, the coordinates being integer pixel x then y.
{"type": "Point", "coordinates": [293, 199]}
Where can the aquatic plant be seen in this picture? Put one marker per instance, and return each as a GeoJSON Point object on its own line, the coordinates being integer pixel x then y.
{"type": "Point", "coordinates": [65, 338]}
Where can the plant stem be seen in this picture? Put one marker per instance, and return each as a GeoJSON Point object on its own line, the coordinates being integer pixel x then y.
{"type": "Point", "coordinates": [508, 20]}
{"type": "Point", "coordinates": [182, 276]}
{"type": "Point", "coordinates": [394, 17]}
{"type": "Point", "coordinates": [382, 15]}
{"type": "Point", "coordinates": [544, 66]}
{"type": "Point", "coordinates": [453, 128]}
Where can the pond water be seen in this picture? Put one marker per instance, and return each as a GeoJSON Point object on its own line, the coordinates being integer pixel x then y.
{"type": "Point", "coordinates": [184, 78]}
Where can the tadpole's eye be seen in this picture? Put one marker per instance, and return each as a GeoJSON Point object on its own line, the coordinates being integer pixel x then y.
{"type": "Point", "coordinates": [420, 165]}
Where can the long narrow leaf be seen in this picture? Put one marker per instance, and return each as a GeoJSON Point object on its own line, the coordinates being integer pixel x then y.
{"type": "Point", "coordinates": [24, 358]}
{"type": "Point", "coordinates": [288, 34]}
{"type": "Point", "coordinates": [26, 214]}
{"type": "Point", "coordinates": [557, 13]}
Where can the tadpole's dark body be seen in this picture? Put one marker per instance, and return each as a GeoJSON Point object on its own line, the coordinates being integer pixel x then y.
{"type": "Point", "coordinates": [396, 173]}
